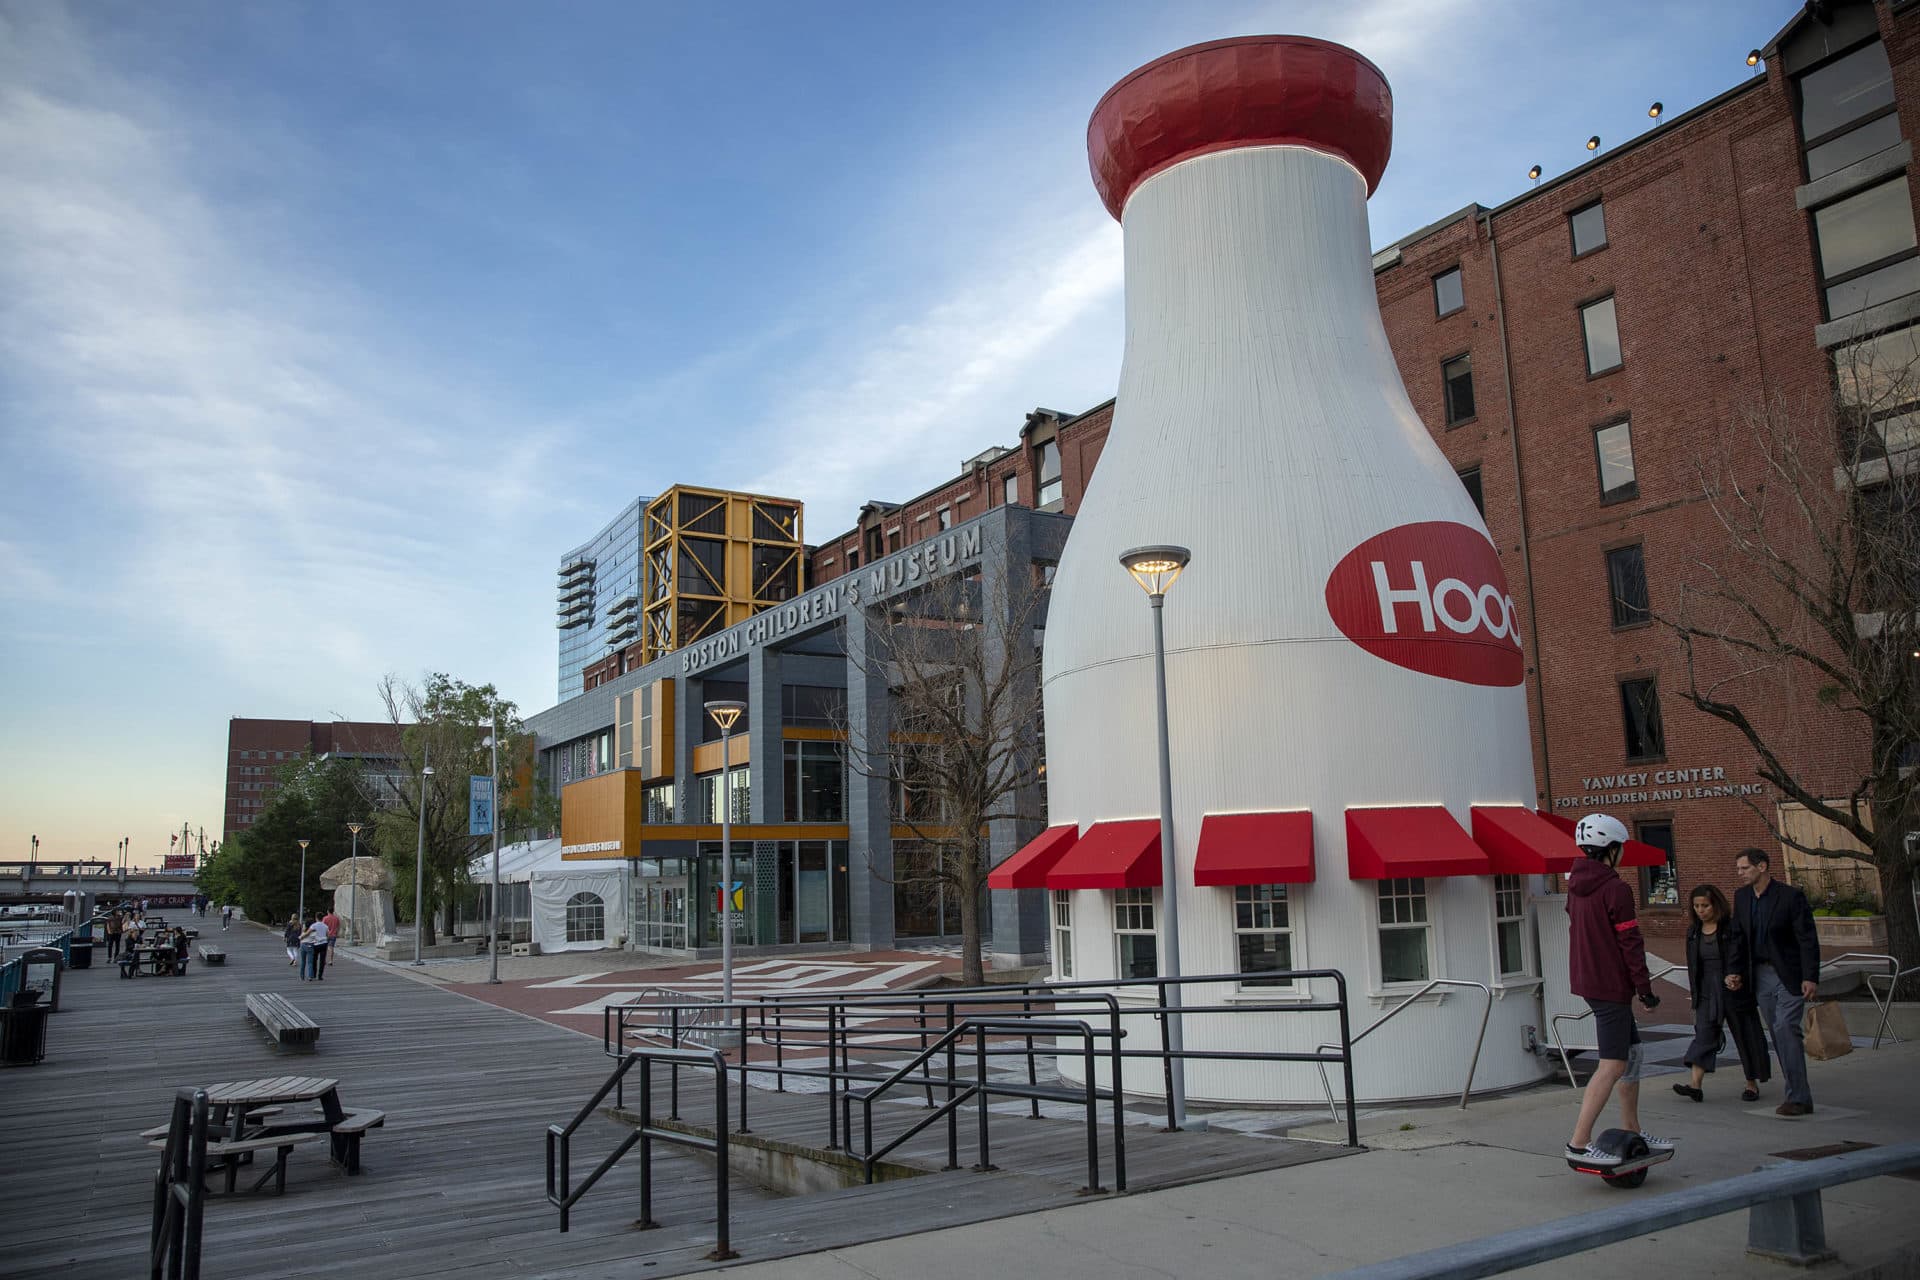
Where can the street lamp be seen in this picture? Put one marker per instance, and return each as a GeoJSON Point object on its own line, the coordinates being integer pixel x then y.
{"type": "Point", "coordinates": [303, 880]}
{"type": "Point", "coordinates": [726, 713]}
{"type": "Point", "coordinates": [353, 890]}
{"type": "Point", "coordinates": [33, 857]}
{"type": "Point", "coordinates": [420, 856]}
{"type": "Point", "coordinates": [1155, 569]}
{"type": "Point", "coordinates": [493, 823]}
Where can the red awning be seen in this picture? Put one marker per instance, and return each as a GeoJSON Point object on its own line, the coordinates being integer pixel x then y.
{"type": "Point", "coordinates": [1111, 855]}
{"type": "Point", "coordinates": [1636, 853]}
{"type": "Point", "coordinates": [1028, 868]}
{"type": "Point", "coordinates": [1255, 848]}
{"type": "Point", "coordinates": [1521, 842]}
{"type": "Point", "coordinates": [1423, 840]}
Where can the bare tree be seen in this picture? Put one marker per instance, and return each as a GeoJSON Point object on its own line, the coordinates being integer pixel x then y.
{"type": "Point", "coordinates": [961, 660]}
{"type": "Point", "coordinates": [1813, 582]}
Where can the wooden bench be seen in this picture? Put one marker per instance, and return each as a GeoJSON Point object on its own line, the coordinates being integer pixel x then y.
{"type": "Point", "coordinates": [282, 1021]}
{"type": "Point", "coordinates": [210, 954]}
{"type": "Point", "coordinates": [348, 1132]}
{"type": "Point", "coordinates": [230, 1155]}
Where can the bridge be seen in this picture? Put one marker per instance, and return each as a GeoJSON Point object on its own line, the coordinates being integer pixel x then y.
{"type": "Point", "coordinates": [23, 880]}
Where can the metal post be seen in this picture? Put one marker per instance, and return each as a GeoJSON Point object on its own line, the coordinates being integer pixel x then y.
{"type": "Point", "coordinates": [493, 927]}
{"type": "Point", "coordinates": [420, 859]}
{"type": "Point", "coordinates": [353, 889]}
{"type": "Point", "coordinates": [303, 881]}
{"type": "Point", "coordinates": [1169, 883]}
{"type": "Point", "coordinates": [723, 1248]}
{"type": "Point", "coordinates": [646, 1222]}
{"type": "Point", "coordinates": [726, 865]}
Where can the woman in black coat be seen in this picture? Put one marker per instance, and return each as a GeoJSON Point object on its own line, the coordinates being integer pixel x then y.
{"type": "Point", "coordinates": [1717, 955]}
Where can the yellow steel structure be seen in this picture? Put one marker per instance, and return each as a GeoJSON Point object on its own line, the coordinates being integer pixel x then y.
{"type": "Point", "coordinates": [711, 558]}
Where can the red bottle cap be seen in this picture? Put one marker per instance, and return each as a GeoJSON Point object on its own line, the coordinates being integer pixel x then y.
{"type": "Point", "coordinates": [1251, 91]}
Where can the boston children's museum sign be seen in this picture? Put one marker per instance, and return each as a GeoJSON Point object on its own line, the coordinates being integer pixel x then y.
{"type": "Point", "coordinates": [918, 564]}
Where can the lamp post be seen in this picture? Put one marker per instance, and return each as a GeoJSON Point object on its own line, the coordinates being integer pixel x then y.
{"type": "Point", "coordinates": [1155, 569]}
{"type": "Point", "coordinates": [726, 713]}
{"type": "Point", "coordinates": [420, 858]}
{"type": "Point", "coordinates": [303, 880]}
{"type": "Point", "coordinates": [33, 857]}
{"type": "Point", "coordinates": [353, 890]}
{"type": "Point", "coordinates": [493, 823]}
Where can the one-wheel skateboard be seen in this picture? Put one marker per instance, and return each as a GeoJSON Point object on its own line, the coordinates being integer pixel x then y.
{"type": "Point", "coordinates": [1635, 1159]}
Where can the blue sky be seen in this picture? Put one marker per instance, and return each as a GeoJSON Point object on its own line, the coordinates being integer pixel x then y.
{"type": "Point", "coordinates": [326, 327]}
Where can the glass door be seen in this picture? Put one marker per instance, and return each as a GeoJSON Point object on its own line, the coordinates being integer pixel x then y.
{"type": "Point", "coordinates": [663, 913]}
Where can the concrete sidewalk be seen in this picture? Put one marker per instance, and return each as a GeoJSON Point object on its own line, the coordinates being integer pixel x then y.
{"type": "Point", "coordinates": [1437, 1175]}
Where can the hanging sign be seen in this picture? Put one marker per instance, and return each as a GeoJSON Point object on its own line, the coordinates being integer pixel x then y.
{"type": "Point", "coordinates": [479, 806]}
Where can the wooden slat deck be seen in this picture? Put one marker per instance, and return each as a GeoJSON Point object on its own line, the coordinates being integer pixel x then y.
{"type": "Point", "coordinates": [454, 1182]}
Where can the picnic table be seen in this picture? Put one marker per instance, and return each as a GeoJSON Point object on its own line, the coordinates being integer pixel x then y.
{"type": "Point", "coordinates": [151, 958]}
{"type": "Point", "coordinates": [237, 1103]}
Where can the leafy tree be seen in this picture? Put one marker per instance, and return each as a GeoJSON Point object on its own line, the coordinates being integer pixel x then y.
{"type": "Point", "coordinates": [445, 723]}
{"type": "Point", "coordinates": [260, 867]}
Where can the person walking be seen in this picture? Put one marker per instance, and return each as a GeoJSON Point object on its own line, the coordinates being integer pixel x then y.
{"type": "Point", "coordinates": [1722, 1001]}
{"type": "Point", "coordinates": [306, 944]}
{"type": "Point", "coordinates": [1607, 965]}
{"type": "Point", "coordinates": [1783, 967]}
{"type": "Point", "coordinates": [115, 926]}
{"type": "Point", "coordinates": [291, 936]}
{"type": "Point", "coordinates": [322, 938]}
{"type": "Point", "coordinates": [226, 917]}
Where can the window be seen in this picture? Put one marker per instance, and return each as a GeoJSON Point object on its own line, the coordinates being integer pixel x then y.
{"type": "Point", "coordinates": [1471, 482]}
{"type": "Point", "coordinates": [1457, 375]}
{"type": "Point", "coordinates": [739, 785]}
{"type": "Point", "coordinates": [1627, 586]}
{"type": "Point", "coordinates": [1659, 886]}
{"type": "Point", "coordinates": [1448, 294]}
{"type": "Point", "coordinates": [812, 705]}
{"type": "Point", "coordinates": [1062, 934]}
{"type": "Point", "coordinates": [656, 803]}
{"type": "Point", "coordinates": [1264, 932]}
{"type": "Point", "coordinates": [1404, 931]}
{"type": "Point", "coordinates": [816, 789]}
{"type": "Point", "coordinates": [1613, 451]}
{"type": "Point", "coordinates": [1509, 923]}
{"type": "Point", "coordinates": [1049, 473]}
{"type": "Point", "coordinates": [1602, 336]}
{"type": "Point", "coordinates": [1133, 931]}
{"type": "Point", "coordinates": [1878, 381]}
{"type": "Point", "coordinates": [945, 516]}
{"type": "Point", "coordinates": [1845, 107]}
{"type": "Point", "coordinates": [1010, 488]}
{"type": "Point", "coordinates": [586, 918]}
{"type": "Point", "coordinates": [1640, 712]}
{"type": "Point", "coordinates": [1588, 227]}
{"type": "Point", "coordinates": [1866, 247]}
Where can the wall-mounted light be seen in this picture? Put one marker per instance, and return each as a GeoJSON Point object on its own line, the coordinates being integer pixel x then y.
{"type": "Point", "coordinates": [1534, 173]}
{"type": "Point", "coordinates": [1655, 110]}
{"type": "Point", "coordinates": [1753, 57]}
{"type": "Point", "coordinates": [1593, 143]}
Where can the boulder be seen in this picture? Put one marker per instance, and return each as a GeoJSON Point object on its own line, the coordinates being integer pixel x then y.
{"type": "Point", "coordinates": [373, 874]}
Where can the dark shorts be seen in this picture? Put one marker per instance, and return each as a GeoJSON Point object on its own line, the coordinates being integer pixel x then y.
{"type": "Point", "coordinates": [1614, 1027]}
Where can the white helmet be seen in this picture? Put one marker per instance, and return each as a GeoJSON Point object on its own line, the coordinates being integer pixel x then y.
{"type": "Point", "coordinates": [1597, 832]}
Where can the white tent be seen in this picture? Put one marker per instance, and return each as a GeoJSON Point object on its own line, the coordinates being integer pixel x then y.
{"type": "Point", "coordinates": [577, 906]}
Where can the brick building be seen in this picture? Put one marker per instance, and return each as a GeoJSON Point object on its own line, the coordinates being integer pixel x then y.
{"type": "Point", "coordinates": [257, 749]}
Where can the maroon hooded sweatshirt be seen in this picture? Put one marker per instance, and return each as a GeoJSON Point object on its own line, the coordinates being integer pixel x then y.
{"type": "Point", "coordinates": [1606, 957]}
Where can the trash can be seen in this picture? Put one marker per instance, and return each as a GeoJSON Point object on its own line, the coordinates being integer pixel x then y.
{"type": "Point", "coordinates": [41, 972]}
{"type": "Point", "coordinates": [80, 955]}
{"type": "Point", "coordinates": [23, 1030]}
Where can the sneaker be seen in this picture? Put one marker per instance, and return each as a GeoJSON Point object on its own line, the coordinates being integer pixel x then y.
{"type": "Point", "coordinates": [1591, 1154]}
{"type": "Point", "coordinates": [1688, 1091]}
{"type": "Point", "coordinates": [1794, 1109]}
{"type": "Point", "coordinates": [1656, 1144]}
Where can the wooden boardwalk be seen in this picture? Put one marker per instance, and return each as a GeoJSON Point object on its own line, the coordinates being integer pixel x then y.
{"type": "Point", "coordinates": [454, 1183]}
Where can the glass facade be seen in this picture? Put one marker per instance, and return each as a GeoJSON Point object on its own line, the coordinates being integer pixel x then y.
{"type": "Point", "coordinates": [595, 599]}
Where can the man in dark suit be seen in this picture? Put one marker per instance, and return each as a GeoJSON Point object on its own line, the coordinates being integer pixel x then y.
{"type": "Point", "coordinates": [1783, 966]}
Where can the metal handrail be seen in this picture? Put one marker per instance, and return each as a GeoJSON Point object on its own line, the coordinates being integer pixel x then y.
{"type": "Point", "coordinates": [1553, 1024]}
{"type": "Point", "coordinates": [563, 1195]}
{"type": "Point", "coordinates": [1473, 1064]}
{"type": "Point", "coordinates": [1784, 1221]}
{"type": "Point", "coordinates": [180, 1191]}
{"type": "Point", "coordinates": [1894, 976]}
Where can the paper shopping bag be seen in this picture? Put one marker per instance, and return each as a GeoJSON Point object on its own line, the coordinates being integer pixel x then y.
{"type": "Point", "coordinates": [1826, 1031]}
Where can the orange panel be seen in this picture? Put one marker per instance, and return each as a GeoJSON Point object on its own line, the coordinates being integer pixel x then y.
{"type": "Point", "coordinates": [706, 756]}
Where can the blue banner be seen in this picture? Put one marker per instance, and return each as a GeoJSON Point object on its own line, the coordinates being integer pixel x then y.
{"type": "Point", "coordinates": [479, 806]}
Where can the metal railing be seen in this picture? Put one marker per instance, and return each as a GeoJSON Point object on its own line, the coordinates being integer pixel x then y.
{"type": "Point", "coordinates": [1784, 1221]}
{"type": "Point", "coordinates": [180, 1192]}
{"type": "Point", "coordinates": [563, 1195]}
{"type": "Point", "coordinates": [1553, 1024]}
{"type": "Point", "coordinates": [1893, 977]}
{"type": "Point", "coordinates": [1473, 1063]}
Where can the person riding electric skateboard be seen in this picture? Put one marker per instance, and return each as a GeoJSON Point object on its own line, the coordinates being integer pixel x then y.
{"type": "Point", "coordinates": [1607, 966]}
